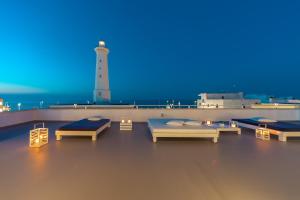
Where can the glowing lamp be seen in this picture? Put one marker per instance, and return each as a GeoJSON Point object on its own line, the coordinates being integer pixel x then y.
{"type": "Point", "coordinates": [19, 106]}
{"type": "Point", "coordinates": [126, 125]}
{"type": "Point", "coordinates": [2, 108]}
{"type": "Point", "coordinates": [262, 133]}
{"type": "Point", "coordinates": [38, 136]}
{"type": "Point", "coordinates": [6, 108]}
{"type": "Point", "coordinates": [101, 43]}
{"type": "Point", "coordinates": [233, 124]}
{"type": "Point", "coordinates": [208, 122]}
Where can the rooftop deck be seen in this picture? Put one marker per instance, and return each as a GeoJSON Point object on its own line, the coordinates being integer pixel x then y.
{"type": "Point", "coordinates": [122, 165]}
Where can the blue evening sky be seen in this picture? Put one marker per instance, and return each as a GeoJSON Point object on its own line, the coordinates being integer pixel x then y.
{"type": "Point", "coordinates": [158, 49]}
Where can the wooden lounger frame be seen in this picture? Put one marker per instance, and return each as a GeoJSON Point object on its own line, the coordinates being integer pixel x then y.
{"type": "Point", "coordinates": [201, 134]}
{"type": "Point", "coordinates": [282, 135]}
{"type": "Point", "coordinates": [60, 133]}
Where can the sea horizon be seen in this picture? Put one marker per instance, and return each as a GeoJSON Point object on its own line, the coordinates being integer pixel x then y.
{"type": "Point", "coordinates": [42, 101]}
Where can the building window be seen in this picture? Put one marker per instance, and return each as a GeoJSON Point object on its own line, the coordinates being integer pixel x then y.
{"type": "Point", "coordinates": [100, 76]}
{"type": "Point", "coordinates": [99, 94]}
{"type": "Point", "coordinates": [100, 60]}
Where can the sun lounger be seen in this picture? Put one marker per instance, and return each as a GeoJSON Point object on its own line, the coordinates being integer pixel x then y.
{"type": "Point", "coordinates": [283, 129]}
{"type": "Point", "coordinates": [85, 127]}
{"type": "Point", "coordinates": [160, 128]}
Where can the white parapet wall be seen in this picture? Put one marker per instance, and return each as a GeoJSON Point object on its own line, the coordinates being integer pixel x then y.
{"type": "Point", "coordinates": [142, 115]}
{"type": "Point", "coordinates": [12, 118]}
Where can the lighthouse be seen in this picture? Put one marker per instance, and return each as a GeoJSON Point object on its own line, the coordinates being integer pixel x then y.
{"type": "Point", "coordinates": [101, 91]}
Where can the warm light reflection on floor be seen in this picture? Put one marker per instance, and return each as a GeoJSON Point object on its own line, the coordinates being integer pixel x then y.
{"type": "Point", "coordinates": [263, 145]}
{"type": "Point", "coordinates": [38, 158]}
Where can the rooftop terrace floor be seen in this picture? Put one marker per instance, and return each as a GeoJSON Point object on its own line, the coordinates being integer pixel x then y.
{"type": "Point", "coordinates": [122, 165]}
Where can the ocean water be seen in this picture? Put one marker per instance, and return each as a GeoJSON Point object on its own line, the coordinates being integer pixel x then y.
{"type": "Point", "coordinates": [36, 101]}
{"type": "Point", "coordinates": [41, 101]}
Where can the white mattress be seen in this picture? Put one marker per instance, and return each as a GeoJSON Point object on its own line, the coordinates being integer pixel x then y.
{"type": "Point", "coordinates": [160, 126]}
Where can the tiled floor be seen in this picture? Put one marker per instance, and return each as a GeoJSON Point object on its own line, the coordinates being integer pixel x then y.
{"type": "Point", "coordinates": [124, 165]}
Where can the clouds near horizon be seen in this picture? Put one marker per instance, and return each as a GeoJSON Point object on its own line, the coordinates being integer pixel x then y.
{"type": "Point", "coordinates": [10, 88]}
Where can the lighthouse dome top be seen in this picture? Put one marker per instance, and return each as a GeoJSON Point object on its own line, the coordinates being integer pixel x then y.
{"type": "Point", "coordinates": [101, 43]}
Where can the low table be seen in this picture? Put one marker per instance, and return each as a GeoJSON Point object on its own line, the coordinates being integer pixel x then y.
{"type": "Point", "coordinates": [226, 128]}
{"type": "Point", "coordinates": [126, 125]}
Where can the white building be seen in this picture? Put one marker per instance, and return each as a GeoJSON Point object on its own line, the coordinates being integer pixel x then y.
{"type": "Point", "coordinates": [101, 92]}
{"type": "Point", "coordinates": [225, 100]}
{"type": "Point", "coordinates": [3, 107]}
{"type": "Point", "coordinates": [288, 100]}
{"type": "Point", "coordinates": [295, 101]}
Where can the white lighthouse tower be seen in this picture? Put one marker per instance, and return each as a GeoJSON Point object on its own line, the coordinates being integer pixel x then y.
{"type": "Point", "coordinates": [102, 91]}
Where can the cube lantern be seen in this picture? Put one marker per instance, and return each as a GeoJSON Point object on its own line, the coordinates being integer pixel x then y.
{"type": "Point", "coordinates": [38, 136]}
{"type": "Point", "coordinates": [126, 125]}
{"type": "Point", "coordinates": [262, 133]}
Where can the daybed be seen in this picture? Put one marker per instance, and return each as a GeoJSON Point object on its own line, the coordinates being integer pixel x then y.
{"type": "Point", "coordinates": [160, 128]}
{"type": "Point", "coordinates": [283, 129]}
{"type": "Point", "coordinates": [85, 127]}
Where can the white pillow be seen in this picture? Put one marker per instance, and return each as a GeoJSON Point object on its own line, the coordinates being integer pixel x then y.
{"type": "Point", "coordinates": [94, 118]}
{"type": "Point", "coordinates": [266, 120]}
{"type": "Point", "coordinates": [175, 123]}
{"type": "Point", "coordinates": [193, 123]}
